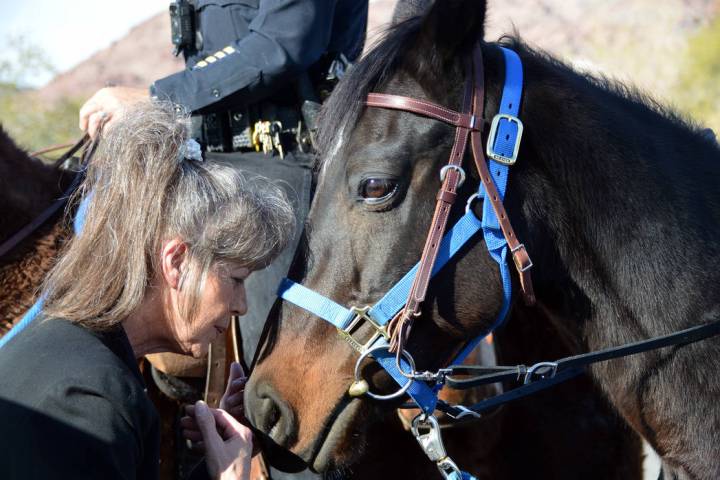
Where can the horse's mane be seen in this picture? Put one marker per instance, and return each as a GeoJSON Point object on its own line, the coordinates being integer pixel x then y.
{"type": "Point", "coordinates": [343, 108]}
{"type": "Point", "coordinates": [342, 111]}
{"type": "Point", "coordinates": [9, 151]}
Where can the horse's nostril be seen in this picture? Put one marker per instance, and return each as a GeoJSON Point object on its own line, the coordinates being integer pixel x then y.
{"type": "Point", "coordinates": [269, 413]}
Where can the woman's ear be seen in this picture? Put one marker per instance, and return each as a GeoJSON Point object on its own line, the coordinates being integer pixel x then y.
{"type": "Point", "coordinates": [173, 258]}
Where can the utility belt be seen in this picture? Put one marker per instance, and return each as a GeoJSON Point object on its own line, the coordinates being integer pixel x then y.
{"type": "Point", "coordinates": [264, 127]}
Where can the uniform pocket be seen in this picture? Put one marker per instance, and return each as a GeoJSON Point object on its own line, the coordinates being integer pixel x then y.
{"type": "Point", "coordinates": [222, 22]}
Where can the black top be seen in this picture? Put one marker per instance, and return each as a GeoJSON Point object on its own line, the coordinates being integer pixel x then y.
{"type": "Point", "coordinates": [73, 405]}
{"type": "Point", "coordinates": [249, 48]}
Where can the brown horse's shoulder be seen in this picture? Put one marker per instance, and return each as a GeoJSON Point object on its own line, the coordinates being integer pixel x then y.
{"type": "Point", "coordinates": [22, 273]}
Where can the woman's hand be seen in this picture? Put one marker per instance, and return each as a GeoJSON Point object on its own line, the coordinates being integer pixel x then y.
{"type": "Point", "coordinates": [227, 443]}
{"type": "Point", "coordinates": [103, 108]}
{"type": "Point", "coordinates": [232, 400]}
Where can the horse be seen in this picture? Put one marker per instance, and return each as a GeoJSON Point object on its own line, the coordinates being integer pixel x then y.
{"type": "Point", "coordinates": [613, 195]}
{"type": "Point", "coordinates": [29, 186]}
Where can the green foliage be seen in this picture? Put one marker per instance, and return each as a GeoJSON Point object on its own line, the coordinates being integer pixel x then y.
{"type": "Point", "coordinates": [32, 123]}
{"type": "Point", "coordinates": [23, 60]}
{"type": "Point", "coordinates": [698, 90]}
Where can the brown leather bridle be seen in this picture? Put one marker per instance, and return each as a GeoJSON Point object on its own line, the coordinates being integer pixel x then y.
{"type": "Point", "coordinates": [468, 123]}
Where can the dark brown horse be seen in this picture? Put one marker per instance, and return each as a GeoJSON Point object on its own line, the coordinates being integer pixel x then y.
{"type": "Point", "coordinates": [615, 198]}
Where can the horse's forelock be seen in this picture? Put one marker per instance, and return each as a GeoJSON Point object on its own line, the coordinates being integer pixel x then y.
{"type": "Point", "coordinates": [342, 110]}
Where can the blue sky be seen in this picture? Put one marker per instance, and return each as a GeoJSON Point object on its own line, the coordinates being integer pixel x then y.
{"type": "Point", "coordinates": [69, 31]}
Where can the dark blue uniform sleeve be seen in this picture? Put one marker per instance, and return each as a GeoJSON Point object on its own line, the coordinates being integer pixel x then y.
{"type": "Point", "coordinates": [285, 38]}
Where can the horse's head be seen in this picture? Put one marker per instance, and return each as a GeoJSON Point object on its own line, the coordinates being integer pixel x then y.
{"type": "Point", "coordinates": [370, 216]}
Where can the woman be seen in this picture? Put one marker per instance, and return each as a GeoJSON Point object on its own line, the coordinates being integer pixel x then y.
{"type": "Point", "coordinates": [167, 243]}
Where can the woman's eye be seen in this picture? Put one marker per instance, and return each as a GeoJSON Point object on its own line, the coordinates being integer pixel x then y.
{"type": "Point", "coordinates": [375, 190]}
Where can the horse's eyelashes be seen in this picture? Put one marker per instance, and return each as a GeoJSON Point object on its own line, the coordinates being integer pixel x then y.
{"type": "Point", "coordinates": [374, 191]}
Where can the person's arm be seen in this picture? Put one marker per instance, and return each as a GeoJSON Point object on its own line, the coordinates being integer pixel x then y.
{"type": "Point", "coordinates": [286, 37]}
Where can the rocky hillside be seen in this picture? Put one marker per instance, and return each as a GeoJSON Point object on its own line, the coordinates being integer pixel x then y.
{"type": "Point", "coordinates": [641, 40]}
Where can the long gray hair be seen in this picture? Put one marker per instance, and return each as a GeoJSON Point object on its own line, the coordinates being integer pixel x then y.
{"type": "Point", "coordinates": [142, 191]}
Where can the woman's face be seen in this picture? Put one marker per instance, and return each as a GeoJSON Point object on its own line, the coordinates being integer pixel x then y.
{"type": "Point", "coordinates": [222, 297]}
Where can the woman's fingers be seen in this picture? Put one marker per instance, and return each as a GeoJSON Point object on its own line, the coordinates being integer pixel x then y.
{"type": "Point", "coordinates": [97, 122]}
{"type": "Point", "coordinates": [206, 423]}
{"type": "Point", "coordinates": [233, 396]}
{"type": "Point", "coordinates": [228, 427]}
{"type": "Point", "coordinates": [89, 108]}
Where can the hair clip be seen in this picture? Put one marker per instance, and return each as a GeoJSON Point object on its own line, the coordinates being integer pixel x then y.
{"type": "Point", "coordinates": [191, 150]}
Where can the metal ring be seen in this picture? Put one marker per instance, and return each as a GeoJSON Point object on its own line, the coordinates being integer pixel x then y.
{"type": "Point", "coordinates": [471, 199]}
{"type": "Point", "coordinates": [444, 170]}
{"type": "Point", "coordinates": [391, 396]}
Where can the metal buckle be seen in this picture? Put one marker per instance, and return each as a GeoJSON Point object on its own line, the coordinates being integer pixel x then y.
{"type": "Point", "coordinates": [490, 150]}
{"type": "Point", "coordinates": [531, 371]}
{"type": "Point", "coordinates": [361, 314]}
{"type": "Point", "coordinates": [444, 170]}
{"type": "Point", "coordinates": [520, 268]}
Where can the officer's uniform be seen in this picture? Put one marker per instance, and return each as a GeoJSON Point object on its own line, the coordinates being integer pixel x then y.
{"type": "Point", "coordinates": [251, 67]}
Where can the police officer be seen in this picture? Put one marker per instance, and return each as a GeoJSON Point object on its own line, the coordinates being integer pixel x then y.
{"type": "Point", "coordinates": [255, 73]}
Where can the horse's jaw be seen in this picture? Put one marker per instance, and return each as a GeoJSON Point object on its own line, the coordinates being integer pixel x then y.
{"type": "Point", "coordinates": [342, 440]}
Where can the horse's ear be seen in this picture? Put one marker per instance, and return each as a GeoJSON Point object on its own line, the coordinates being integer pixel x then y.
{"type": "Point", "coordinates": [452, 24]}
{"type": "Point", "coordinates": [405, 9]}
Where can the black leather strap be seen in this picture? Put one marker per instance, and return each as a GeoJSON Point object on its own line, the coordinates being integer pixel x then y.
{"type": "Point", "coordinates": [547, 374]}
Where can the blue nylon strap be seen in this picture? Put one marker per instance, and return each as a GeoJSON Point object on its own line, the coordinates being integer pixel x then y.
{"type": "Point", "coordinates": [505, 141]}
{"type": "Point", "coordinates": [507, 132]}
{"type": "Point", "coordinates": [315, 303]}
{"type": "Point", "coordinates": [35, 310]}
{"type": "Point", "coordinates": [394, 300]}
{"type": "Point", "coordinates": [462, 476]}
{"type": "Point", "coordinates": [340, 317]}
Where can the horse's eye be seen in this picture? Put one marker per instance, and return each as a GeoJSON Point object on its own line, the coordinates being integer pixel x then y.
{"type": "Point", "coordinates": [375, 190]}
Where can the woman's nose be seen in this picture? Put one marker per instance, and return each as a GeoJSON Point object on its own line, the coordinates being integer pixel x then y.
{"type": "Point", "coordinates": [239, 306]}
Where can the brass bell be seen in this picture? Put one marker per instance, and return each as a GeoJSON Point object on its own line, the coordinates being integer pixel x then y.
{"type": "Point", "coordinates": [358, 388]}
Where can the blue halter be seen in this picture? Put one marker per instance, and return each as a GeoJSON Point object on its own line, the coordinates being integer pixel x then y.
{"type": "Point", "coordinates": [503, 145]}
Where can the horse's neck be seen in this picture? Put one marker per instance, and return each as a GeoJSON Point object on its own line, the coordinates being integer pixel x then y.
{"type": "Point", "coordinates": [623, 206]}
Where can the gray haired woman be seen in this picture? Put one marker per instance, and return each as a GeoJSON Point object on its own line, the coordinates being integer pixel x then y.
{"type": "Point", "coordinates": [167, 243]}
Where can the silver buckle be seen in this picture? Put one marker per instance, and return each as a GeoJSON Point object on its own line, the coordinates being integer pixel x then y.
{"type": "Point", "coordinates": [519, 267]}
{"type": "Point", "coordinates": [361, 315]}
{"type": "Point", "coordinates": [493, 133]}
{"type": "Point", "coordinates": [444, 170]}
